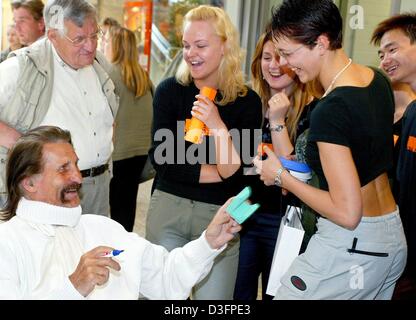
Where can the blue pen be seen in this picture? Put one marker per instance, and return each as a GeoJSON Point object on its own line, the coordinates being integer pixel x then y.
{"type": "Point", "coordinates": [113, 253]}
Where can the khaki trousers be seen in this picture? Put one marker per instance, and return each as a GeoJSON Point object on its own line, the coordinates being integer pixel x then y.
{"type": "Point", "coordinates": [174, 221]}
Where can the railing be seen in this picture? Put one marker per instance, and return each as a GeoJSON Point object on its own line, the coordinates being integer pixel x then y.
{"type": "Point", "coordinates": [160, 43]}
{"type": "Point", "coordinates": [161, 54]}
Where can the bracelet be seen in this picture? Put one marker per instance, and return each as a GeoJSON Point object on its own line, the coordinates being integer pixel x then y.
{"type": "Point", "coordinates": [277, 128]}
{"type": "Point", "coordinates": [278, 179]}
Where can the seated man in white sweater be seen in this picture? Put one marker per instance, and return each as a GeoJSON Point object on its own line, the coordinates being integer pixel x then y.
{"type": "Point", "coordinates": [50, 251]}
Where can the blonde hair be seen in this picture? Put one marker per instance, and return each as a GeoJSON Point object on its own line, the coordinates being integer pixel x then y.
{"type": "Point", "coordinates": [301, 95]}
{"type": "Point", "coordinates": [230, 76]}
{"type": "Point", "coordinates": [124, 47]}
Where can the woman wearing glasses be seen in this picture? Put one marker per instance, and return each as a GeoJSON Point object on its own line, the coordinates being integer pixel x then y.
{"type": "Point", "coordinates": [284, 99]}
{"type": "Point", "coordinates": [359, 250]}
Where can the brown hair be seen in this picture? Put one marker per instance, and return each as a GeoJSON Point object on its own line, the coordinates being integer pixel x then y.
{"type": "Point", "coordinates": [301, 96]}
{"type": "Point", "coordinates": [111, 22]}
{"type": "Point", "coordinates": [405, 22]}
{"type": "Point", "coordinates": [25, 160]}
{"type": "Point", "coordinates": [125, 55]}
{"type": "Point", "coordinates": [35, 7]}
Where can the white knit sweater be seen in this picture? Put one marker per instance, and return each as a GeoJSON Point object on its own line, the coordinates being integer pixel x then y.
{"type": "Point", "coordinates": [41, 246]}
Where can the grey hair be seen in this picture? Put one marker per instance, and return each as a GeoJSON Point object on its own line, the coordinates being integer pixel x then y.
{"type": "Point", "coordinates": [58, 11]}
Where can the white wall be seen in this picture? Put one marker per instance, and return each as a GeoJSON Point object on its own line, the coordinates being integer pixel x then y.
{"type": "Point", "coordinates": [374, 12]}
{"type": "Point", "coordinates": [233, 9]}
{"type": "Point", "coordinates": [357, 41]}
{"type": "Point", "coordinates": [272, 4]}
{"type": "Point", "coordinates": [1, 25]}
{"type": "Point", "coordinates": [408, 5]}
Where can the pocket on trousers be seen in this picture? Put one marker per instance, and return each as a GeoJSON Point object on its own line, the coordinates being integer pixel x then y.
{"type": "Point", "coordinates": [369, 248]}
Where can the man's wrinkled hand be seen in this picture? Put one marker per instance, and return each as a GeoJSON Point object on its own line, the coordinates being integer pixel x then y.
{"type": "Point", "coordinates": [93, 269]}
{"type": "Point", "coordinates": [222, 228]}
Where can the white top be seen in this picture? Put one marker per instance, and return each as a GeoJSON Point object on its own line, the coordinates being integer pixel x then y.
{"type": "Point", "coordinates": [9, 73]}
{"type": "Point", "coordinates": [77, 104]}
{"type": "Point", "coordinates": [41, 246]}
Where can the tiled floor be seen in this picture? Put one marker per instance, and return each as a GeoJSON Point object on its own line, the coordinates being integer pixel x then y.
{"type": "Point", "coordinates": [143, 198]}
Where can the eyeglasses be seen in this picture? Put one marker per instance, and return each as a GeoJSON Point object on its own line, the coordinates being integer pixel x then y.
{"type": "Point", "coordinates": [81, 40]}
{"type": "Point", "coordinates": [288, 54]}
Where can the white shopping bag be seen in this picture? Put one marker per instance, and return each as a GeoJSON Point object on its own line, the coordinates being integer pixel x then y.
{"type": "Point", "coordinates": [287, 247]}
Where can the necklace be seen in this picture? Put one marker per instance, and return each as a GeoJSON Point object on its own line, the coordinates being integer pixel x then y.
{"type": "Point", "coordinates": [336, 77]}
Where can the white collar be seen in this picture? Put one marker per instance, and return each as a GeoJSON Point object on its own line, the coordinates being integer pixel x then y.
{"type": "Point", "coordinates": [65, 65]}
{"type": "Point", "coordinates": [60, 61]}
{"type": "Point", "coordinates": [45, 213]}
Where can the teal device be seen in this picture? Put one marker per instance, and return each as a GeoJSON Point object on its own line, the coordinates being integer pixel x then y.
{"type": "Point", "coordinates": [239, 208]}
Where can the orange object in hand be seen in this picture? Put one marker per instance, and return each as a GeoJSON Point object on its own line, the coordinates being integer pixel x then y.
{"type": "Point", "coordinates": [195, 128]}
{"type": "Point", "coordinates": [260, 148]}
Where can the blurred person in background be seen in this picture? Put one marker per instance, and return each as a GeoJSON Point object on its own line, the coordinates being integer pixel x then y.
{"type": "Point", "coordinates": [396, 39]}
{"type": "Point", "coordinates": [13, 40]}
{"type": "Point", "coordinates": [105, 26]}
{"type": "Point", "coordinates": [28, 18]}
{"type": "Point", "coordinates": [132, 124]}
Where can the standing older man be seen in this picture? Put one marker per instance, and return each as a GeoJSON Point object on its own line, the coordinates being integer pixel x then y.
{"type": "Point", "coordinates": [28, 17]}
{"type": "Point", "coordinates": [49, 251]}
{"type": "Point", "coordinates": [396, 37]}
{"type": "Point", "coordinates": [59, 81]}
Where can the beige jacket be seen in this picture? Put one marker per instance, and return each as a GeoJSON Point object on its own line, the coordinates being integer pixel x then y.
{"type": "Point", "coordinates": [30, 103]}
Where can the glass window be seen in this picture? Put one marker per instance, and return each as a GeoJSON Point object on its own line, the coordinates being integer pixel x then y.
{"type": "Point", "coordinates": [167, 31]}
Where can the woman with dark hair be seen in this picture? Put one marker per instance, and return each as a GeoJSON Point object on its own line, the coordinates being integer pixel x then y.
{"type": "Point", "coordinates": [359, 250]}
{"type": "Point", "coordinates": [133, 123]}
{"type": "Point", "coordinates": [284, 99]}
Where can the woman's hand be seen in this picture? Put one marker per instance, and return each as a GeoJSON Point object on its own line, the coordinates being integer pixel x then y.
{"type": "Point", "coordinates": [206, 111]}
{"type": "Point", "coordinates": [267, 169]}
{"type": "Point", "coordinates": [278, 106]}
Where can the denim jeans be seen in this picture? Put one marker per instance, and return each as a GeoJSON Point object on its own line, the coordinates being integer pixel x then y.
{"type": "Point", "coordinates": [257, 242]}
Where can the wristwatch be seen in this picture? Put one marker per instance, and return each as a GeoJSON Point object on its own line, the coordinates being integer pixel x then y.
{"type": "Point", "coordinates": [278, 179]}
{"type": "Point", "coordinates": [277, 128]}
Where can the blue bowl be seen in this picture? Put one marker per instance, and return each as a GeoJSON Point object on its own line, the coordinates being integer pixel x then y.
{"type": "Point", "coordinates": [295, 165]}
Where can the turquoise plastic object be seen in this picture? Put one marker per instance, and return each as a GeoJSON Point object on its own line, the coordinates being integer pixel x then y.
{"type": "Point", "coordinates": [239, 209]}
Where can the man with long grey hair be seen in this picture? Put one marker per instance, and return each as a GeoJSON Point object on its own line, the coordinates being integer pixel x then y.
{"type": "Point", "coordinates": [49, 251]}
{"type": "Point", "coordinates": [62, 81]}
